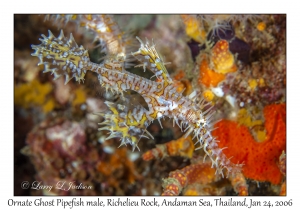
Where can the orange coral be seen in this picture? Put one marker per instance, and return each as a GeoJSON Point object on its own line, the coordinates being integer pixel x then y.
{"type": "Point", "coordinates": [259, 157]}
{"type": "Point", "coordinates": [193, 28]}
{"type": "Point", "coordinates": [223, 62]}
{"type": "Point", "coordinates": [222, 58]}
{"type": "Point", "coordinates": [201, 173]}
{"type": "Point", "coordinates": [195, 179]}
{"type": "Point", "coordinates": [180, 75]}
{"type": "Point", "coordinates": [261, 26]}
{"type": "Point", "coordinates": [209, 77]}
{"type": "Point", "coordinates": [118, 165]}
{"type": "Point", "coordinates": [182, 147]}
{"type": "Point", "coordinates": [199, 179]}
{"type": "Point", "coordinates": [182, 84]}
{"type": "Point", "coordinates": [208, 95]}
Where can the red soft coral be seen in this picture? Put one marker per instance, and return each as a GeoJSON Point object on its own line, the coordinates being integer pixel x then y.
{"type": "Point", "coordinates": [259, 158]}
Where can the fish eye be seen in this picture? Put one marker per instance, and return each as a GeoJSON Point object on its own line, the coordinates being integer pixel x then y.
{"type": "Point", "coordinates": [201, 122]}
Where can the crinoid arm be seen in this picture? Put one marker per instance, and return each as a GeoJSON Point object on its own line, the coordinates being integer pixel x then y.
{"type": "Point", "coordinates": [103, 27]}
